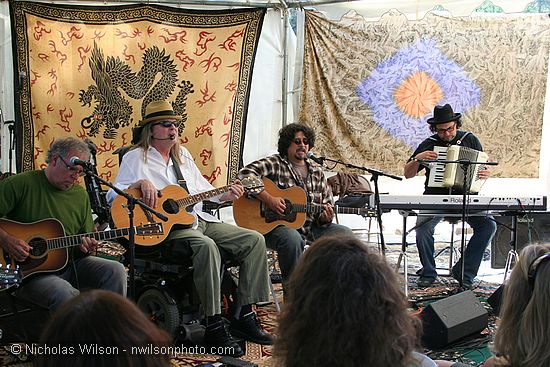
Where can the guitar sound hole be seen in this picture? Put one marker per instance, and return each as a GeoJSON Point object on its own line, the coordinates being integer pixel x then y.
{"type": "Point", "coordinates": [288, 207]}
{"type": "Point", "coordinates": [39, 247]}
{"type": "Point", "coordinates": [170, 206]}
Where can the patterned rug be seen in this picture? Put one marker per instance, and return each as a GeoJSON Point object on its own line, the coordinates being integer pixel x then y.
{"type": "Point", "coordinates": [472, 350]}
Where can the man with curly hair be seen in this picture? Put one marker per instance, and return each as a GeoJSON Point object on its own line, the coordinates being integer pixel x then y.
{"type": "Point", "coordinates": [289, 168]}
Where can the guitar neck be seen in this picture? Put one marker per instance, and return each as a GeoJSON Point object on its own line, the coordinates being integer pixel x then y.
{"type": "Point", "coordinates": [317, 208]}
{"type": "Point", "coordinates": [75, 240]}
{"type": "Point", "coordinates": [193, 199]}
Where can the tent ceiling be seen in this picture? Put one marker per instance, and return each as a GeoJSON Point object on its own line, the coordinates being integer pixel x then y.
{"type": "Point", "coordinates": [225, 3]}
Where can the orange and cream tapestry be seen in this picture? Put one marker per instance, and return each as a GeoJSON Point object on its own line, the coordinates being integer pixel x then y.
{"type": "Point", "coordinates": [369, 86]}
{"type": "Point", "coordinates": [90, 72]}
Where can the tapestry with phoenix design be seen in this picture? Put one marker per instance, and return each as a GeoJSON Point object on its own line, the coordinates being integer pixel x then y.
{"type": "Point", "coordinates": [369, 87]}
{"type": "Point", "coordinates": [91, 71]}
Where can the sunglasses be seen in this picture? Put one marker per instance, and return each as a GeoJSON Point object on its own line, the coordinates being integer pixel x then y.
{"type": "Point", "coordinates": [299, 141]}
{"type": "Point", "coordinates": [167, 123]}
{"type": "Point", "coordinates": [72, 169]}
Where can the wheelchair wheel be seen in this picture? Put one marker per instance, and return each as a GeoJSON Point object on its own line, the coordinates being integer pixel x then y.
{"type": "Point", "coordinates": [159, 308]}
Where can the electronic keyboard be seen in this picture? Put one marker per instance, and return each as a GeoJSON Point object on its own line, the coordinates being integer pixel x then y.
{"type": "Point", "coordinates": [454, 202]}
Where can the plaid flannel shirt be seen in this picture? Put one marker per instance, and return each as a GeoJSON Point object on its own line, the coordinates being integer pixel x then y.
{"type": "Point", "coordinates": [279, 170]}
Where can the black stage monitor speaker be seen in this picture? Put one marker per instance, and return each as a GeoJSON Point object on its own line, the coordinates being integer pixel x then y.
{"type": "Point", "coordinates": [453, 318]}
{"type": "Point", "coordinates": [495, 299]}
{"type": "Point", "coordinates": [531, 228]}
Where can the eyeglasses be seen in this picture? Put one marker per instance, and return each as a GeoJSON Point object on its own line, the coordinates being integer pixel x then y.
{"type": "Point", "coordinates": [299, 141]}
{"type": "Point", "coordinates": [447, 130]}
{"type": "Point", "coordinates": [72, 169]}
{"type": "Point", "coordinates": [167, 123]}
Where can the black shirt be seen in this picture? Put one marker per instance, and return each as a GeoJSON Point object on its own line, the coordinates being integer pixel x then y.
{"type": "Point", "coordinates": [463, 138]}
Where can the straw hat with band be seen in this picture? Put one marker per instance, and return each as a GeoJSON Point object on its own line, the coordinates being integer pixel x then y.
{"type": "Point", "coordinates": [155, 111]}
{"type": "Point", "coordinates": [158, 111]}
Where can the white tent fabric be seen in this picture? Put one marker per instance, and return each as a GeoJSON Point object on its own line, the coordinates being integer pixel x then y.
{"type": "Point", "coordinates": [266, 106]}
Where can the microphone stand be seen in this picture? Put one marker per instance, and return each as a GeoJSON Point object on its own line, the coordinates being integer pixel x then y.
{"type": "Point", "coordinates": [11, 129]}
{"type": "Point", "coordinates": [465, 164]}
{"type": "Point", "coordinates": [374, 178]}
{"type": "Point", "coordinates": [132, 201]}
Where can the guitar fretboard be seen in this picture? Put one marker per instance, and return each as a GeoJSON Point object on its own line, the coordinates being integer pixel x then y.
{"type": "Point", "coordinates": [69, 241]}
{"type": "Point", "coordinates": [316, 208]}
{"type": "Point", "coordinates": [193, 199]}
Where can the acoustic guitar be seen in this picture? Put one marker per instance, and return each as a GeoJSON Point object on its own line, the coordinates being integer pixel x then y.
{"type": "Point", "coordinates": [175, 203]}
{"type": "Point", "coordinates": [49, 243]}
{"type": "Point", "coordinates": [252, 213]}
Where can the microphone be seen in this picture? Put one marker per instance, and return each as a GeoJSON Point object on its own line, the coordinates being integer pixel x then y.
{"type": "Point", "coordinates": [171, 137]}
{"type": "Point", "coordinates": [75, 161]}
{"type": "Point", "coordinates": [313, 157]}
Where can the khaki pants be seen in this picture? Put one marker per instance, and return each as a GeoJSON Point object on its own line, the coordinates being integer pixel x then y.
{"type": "Point", "coordinates": [244, 246]}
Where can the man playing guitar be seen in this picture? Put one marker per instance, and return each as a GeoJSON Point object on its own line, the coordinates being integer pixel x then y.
{"type": "Point", "coordinates": [36, 195]}
{"type": "Point", "coordinates": [291, 168]}
{"type": "Point", "coordinates": [151, 165]}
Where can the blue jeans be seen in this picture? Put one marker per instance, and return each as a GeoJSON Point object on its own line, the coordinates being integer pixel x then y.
{"type": "Point", "coordinates": [89, 272]}
{"type": "Point", "coordinates": [484, 229]}
{"type": "Point", "coordinates": [289, 244]}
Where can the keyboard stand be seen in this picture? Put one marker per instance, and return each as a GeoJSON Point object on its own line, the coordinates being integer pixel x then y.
{"type": "Point", "coordinates": [403, 254]}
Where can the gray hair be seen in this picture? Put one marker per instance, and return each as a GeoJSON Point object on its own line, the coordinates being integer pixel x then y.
{"type": "Point", "coordinates": [62, 147]}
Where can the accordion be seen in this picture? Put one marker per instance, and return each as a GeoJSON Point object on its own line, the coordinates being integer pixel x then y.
{"type": "Point", "coordinates": [452, 174]}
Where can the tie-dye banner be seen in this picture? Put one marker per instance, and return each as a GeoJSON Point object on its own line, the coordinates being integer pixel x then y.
{"type": "Point", "coordinates": [369, 87]}
{"type": "Point", "coordinates": [91, 71]}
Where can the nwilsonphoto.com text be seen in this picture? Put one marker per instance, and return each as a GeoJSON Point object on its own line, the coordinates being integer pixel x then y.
{"type": "Point", "coordinates": [102, 349]}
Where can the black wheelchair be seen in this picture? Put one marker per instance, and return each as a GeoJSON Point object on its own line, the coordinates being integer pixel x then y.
{"type": "Point", "coordinates": [164, 287]}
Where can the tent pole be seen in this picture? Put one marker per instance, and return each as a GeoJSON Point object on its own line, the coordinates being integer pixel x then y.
{"type": "Point", "coordinates": [284, 82]}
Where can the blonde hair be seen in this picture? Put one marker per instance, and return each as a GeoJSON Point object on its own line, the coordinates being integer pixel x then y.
{"type": "Point", "coordinates": [145, 139]}
{"type": "Point", "coordinates": [522, 337]}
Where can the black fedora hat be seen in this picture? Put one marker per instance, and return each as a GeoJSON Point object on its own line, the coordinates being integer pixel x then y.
{"type": "Point", "coordinates": [443, 114]}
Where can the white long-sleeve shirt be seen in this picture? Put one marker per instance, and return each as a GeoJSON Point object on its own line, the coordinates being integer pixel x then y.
{"type": "Point", "coordinates": [134, 168]}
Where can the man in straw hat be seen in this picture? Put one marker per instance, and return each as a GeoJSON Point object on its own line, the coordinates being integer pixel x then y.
{"type": "Point", "coordinates": [445, 124]}
{"type": "Point", "coordinates": [149, 166]}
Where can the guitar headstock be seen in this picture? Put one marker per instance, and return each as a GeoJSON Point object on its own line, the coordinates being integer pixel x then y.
{"type": "Point", "coordinates": [252, 185]}
{"type": "Point", "coordinates": [150, 229]}
{"type": "Point", "coordinates": [9, 276]}
{"type": "Point", "coordinates": [367, 212]}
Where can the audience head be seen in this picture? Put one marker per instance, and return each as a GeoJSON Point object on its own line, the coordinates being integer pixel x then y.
{"type": "Point", "coordinates": [102, 319]}
{"type": "Point", "coordinates": [287, 134]}
{"type": "Point", "coordinates": [345, 308]}
{"type": "Point", "coordinates": [522, 336]}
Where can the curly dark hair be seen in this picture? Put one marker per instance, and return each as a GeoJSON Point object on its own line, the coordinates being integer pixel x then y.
{"type": "Point", "coordinates": [345, 308]}
{"type": "Point", "coordinates": [287, 134]}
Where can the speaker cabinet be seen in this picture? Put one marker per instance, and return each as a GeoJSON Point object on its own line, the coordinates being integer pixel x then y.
{"type": "Point", "coordinates": [495, 299]}
{"type": "Point", "coordinates": [531, 228]}
{"type": "Point", "coordinates": [453, 318]}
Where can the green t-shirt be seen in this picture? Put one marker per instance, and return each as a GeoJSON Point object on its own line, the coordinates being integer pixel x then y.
{"type": "Point", "coordinates": [29, 197]}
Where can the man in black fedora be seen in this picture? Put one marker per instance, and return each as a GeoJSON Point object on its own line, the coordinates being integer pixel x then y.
{"type": "Point", "coordinates": [445, 125]}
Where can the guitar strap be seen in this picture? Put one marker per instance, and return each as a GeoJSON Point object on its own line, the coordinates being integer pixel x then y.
{"type": "Point", "coordinates": [179, 176]}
